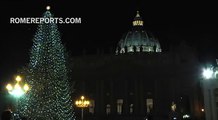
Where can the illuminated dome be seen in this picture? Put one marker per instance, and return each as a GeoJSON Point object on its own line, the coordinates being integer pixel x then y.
{"type": "Point", "coordinates": [138, 40]}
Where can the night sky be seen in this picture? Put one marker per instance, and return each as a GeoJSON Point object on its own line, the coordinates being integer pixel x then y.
{"type": "Point", "coordinates": [103, 23]}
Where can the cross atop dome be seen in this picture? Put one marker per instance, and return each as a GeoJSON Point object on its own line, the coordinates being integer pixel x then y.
{"type": "Point", "coordinates": [137, 20]}
{"type": "Point", "coordinates": [137, 15]}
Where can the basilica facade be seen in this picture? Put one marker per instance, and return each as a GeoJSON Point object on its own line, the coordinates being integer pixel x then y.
{"type": "Point", "coordinates": [139, 81]}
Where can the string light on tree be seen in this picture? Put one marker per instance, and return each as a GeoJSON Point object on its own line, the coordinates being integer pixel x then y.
{"type": "Point", "coordinates": [50, 95]}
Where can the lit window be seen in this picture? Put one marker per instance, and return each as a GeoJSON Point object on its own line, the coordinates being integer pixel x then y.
{"type": "Point", "coordinates": [138, 23]}
{"type": "Point", "coordinates": [131, 108]}
{"type": "Point", "coordinates": [92, 106]}
{"type": "Point", "coordinates": [149, 49]}
{"type": "Point", "coordinates": [186, 116]}
{"type": "Point", "coordinates": [173, 107]}
{"type": "Point", "coordinates": [149, 104]}
{"type": "Point", "coordinates": [108, 109]}
{"type": "Point", "coordinates": [119, 106]}
{"type": "Point", "coordinates": [146, 49]}
{"type": "Point", "coordinates": [130, 49]}
{"type": "Point", "coordinates": [122, 50]}
{"type": "Point", "coordinates": [138, 48]}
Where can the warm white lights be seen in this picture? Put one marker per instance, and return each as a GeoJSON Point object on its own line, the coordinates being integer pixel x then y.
{"type": "Point", "coordinates": [82, 103]}
{"type": "Point", "coordinates": [9, 87]}
{"type": "Point", "coordinates": [48, 7]}
{"type": "Point", "coordinates": [26, 87]}
{"type": "Point", "coordinates": [173, 107]}
{"type": "Point", "coordinates": [16, 90]}
{"type": "Point", "coordinates": [185, 116]}
{"type": "Point", "coordinates": [82, 97]}
{"type": "Point", "coordinates": [18, 78]}
{"type": "Point", "coordinates": [137, 23]}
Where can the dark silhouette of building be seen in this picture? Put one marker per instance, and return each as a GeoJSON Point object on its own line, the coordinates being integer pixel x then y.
{"type": "Point", "coordinates": [6, 115]}
{"type": "Point", "coordinates": [135, 86]}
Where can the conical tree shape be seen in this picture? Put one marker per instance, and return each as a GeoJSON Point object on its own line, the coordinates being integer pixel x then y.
{"type": "Point", "coordinates": [50, 96]}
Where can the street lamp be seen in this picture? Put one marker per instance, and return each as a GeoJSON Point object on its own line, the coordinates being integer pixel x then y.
{"type": "Point", "coordinates": [209, 74]}
{"type": "Point", "coordinates": [17, 90]}
{"type": "Point", "coordinates": [82, 103]}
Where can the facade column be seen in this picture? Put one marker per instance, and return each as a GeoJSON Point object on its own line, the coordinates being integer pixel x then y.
{"type": "Point", "coordinates": [136, 98]}
{"type": "Point", "coordinates": [156, 100]}
{"type": "Point", "coordinates": [213, 104]}
{"type": "Point", "coordinates": [112, 98]}
{"type": "Point", "coordinates": [209, 99]}
{"type": "Point", "coordinates": [83, 86]}
{"type": "Point", "coordinates": [97, 100]}
{"type": "Point", "coordinates": [207, 102]}
{"type": "Point", "coordinates": [125, 98]}
{"type": "Point", "coordinates": [102, 100]}
{"type": "Point", "coordinates": [142, 104]}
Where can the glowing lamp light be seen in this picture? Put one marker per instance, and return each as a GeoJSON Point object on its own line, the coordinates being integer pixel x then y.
{"type": "Point", "coordinates": [82, 97]}
{"type": "Point", "coordinates": [17, 86]}
{"type": "Point", "coordinates": [18, 78]}
{"type": "Point", "coordinates": [76, 102]}
{"type": "Point", "coordinates": [82, 103]}
{"type": "Point", "coordinates": [26, 87]}
{"type": "Point", "coordinates": [202, 110]}
{"type": "Point", "coordinates": [207, 73]}
{"type": "Point", "coordinates": [186, 116]}
{"type": "Point", "coordinates": [16, 90]}
{"type": "Point", "coordinates": [48, 7]}
{"type": "Point", "coordinates": [9, 87]}
{"type": "Point", "coordinates": [173, 107]}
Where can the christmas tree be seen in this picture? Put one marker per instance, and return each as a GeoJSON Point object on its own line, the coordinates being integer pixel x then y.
{"type": "Point", "coordinates": [49, 97]}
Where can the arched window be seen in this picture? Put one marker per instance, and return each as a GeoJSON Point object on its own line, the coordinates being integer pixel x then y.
{"type": "Point", "coordinates": [92, 106]}
{"type": "Point", "coordinates": [131, 108]}
{"type": "Point", "coordinates": [108, 109]}
{"type": "Point", "coordinates": [119, 106]}
{"type": "Point", "coordinates": [149, 104]}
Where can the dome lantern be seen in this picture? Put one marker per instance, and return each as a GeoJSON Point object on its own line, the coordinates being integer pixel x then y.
{"type": "Point", "coordinates": [138, 40]}
{"type": "Point", "coordinates": [137, 20]}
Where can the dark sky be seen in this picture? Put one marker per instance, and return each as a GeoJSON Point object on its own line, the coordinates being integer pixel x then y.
{"type": "Point", "coordinates": [103, 23]}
